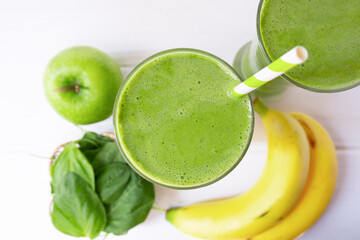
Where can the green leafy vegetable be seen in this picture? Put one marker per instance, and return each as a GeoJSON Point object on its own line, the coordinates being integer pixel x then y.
{"type": "Point", "coordinates": [72, 160]}
{"type": "Point", "coordinates": [107, 154]}
{"type": "Point", "coordinates": [77, 210]}
{"type": "Point", "coordinates": [91, 140]}
{"type": "Point", "coordinates": [132, 204]}
{"type": "Point", "coordinates": [120, 201]}
{"type": "Point", "coordinates": [91, 144]}
{"type": "Point", "coordinates": [127, 197]}
{"type": "Point", "coordinates": [111, 181]}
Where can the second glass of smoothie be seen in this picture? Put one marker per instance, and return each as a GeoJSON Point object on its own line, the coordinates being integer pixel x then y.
{"type": "Point", "coordinates": [329, 30]}
{"type": "Point", "coordinates": [176, 121]}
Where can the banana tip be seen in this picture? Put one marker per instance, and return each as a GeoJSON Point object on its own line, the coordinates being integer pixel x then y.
{"type": "Point", "coordinates": [171, 215]}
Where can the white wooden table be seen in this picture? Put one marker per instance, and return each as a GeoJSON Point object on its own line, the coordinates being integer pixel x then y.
{"type": "Point", "coordinates": [32, 31]}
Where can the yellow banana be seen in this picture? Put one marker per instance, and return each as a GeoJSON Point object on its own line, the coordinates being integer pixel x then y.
{"type": "Point", "coordinates": [319, 186]}
{"type": "Point", "coordinates": [269, 200]}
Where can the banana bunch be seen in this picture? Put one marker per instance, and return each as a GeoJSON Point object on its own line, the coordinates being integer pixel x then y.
{"type": "Point", "coordinates": [291, 194]}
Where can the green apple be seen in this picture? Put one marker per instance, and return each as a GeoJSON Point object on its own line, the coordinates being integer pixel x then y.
{"type": "Point", "coordinates": [81, 84]}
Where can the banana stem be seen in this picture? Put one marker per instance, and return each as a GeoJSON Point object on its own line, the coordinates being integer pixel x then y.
{"type": "Point", "coordinates": [260, 107]}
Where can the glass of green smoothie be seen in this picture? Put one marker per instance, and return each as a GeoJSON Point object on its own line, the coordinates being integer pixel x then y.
{"type": "Point", "coordinates": [329, 30]}
{"type": "Point", "coordinates": [177, 123]}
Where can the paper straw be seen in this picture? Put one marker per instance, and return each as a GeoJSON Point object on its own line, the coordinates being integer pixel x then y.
{"type": "Point", "coordinates": [289, 60]}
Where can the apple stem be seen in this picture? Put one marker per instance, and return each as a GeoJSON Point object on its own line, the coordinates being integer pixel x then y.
{"type": "Point", "coordinates": [75, 87]}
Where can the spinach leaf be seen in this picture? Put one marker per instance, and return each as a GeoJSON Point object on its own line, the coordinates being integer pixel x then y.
{"type": "Point", "coordinates": [111, 181]}
{"type": "Point", "coordinates": [71, 160]}
{"type": "Point", "coordinates": [127, 197]}
{"type": "Point", "coordinates": [77, 210]}
{"type": "Point", "coordinates": [100, 150]}
{"type": "Point", "coordinates": [91, 140]}
{"type": "Point", "coordinates": [91, 144]}
{"type": "Point", "coordinates": [107, 154]}
{"type": "Point", "coordinates": [132, 204]}
{"type": "Point", "coordinates": [122, 199]}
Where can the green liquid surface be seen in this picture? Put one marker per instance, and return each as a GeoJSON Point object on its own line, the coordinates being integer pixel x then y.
{"type": "Point", "coordinates": [177, 122]}
{"type": "Point", "coordinates": [330, 31]}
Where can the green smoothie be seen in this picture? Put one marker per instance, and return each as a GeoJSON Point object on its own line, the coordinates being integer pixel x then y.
{"type": "Point", "coordinates": [176, 121]}
{"type": "Point", "coordinates": [330, 30]}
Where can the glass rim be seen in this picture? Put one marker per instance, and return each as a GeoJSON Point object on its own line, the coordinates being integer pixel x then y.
{"type": "Point", "coordinates": [117, 109]}
{"type": "Point", "coordinates": [284, 76]}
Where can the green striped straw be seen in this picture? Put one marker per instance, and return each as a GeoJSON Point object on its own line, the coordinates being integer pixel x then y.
{"type": "Point", "coordinates": [289, 60]}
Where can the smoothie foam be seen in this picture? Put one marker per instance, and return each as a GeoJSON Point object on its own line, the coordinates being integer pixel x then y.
{"type": "Point", "coordinates": [177, 122]}
{"type": "Point", "coordinates": [329, 30]}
